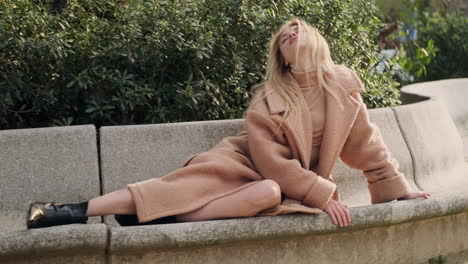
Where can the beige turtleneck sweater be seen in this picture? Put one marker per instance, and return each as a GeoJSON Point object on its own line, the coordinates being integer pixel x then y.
{"type": "Point", "coordinates": [315, 100]}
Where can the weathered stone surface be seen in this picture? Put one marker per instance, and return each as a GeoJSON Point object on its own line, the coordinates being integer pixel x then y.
{"type": "Point", "coordinates": [139, 152]}
{"type": "Point", "coordinates": [451, 92]}
{"type": "Point", "coordinates": [46, 164]}
{"type": "Point", "coordinates": [208, 233]}
{"type": "Point", "coordinates": [75, 243]}
{"type": "Point", "coordinates": [435, 144]}
{"type": "Point", "coordinates": [409, 242]}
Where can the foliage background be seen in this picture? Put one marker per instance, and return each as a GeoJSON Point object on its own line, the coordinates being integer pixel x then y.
{"type": "Point", "coordinates": [125, 62]}
{"type": "Point", "coordinates": [441, 48]}
{"type": "Point", "coordinates": [449, 33]}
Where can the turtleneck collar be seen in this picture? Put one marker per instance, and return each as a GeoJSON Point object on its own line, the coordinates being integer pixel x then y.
{"type": "Point", "coordinates": [301, 77]}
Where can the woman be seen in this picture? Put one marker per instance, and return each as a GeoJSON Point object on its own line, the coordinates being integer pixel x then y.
{"type": "Point", "coordinates": [307, 108]}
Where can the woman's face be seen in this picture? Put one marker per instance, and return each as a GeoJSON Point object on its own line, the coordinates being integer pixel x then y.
{"type": "Point", "coordinates": [288, 42]}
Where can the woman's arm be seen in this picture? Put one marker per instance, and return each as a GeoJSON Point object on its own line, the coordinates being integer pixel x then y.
{"type": "Point", "coordinates": [365, 150]}
{"type": "Point", "coordinates": [273, 159]}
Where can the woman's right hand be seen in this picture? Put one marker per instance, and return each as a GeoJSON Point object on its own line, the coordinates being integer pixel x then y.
{"type": "Point", "coordinates": [338, 212]}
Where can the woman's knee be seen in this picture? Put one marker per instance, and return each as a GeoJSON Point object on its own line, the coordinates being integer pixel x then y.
{"type": "Point", "coordinates": [269, 193]}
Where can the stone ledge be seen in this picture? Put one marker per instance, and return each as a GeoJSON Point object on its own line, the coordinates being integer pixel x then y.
{"type": "Point", "coordinates": [46, 164]}
{"type": "Point", "coordinates": [408, 242]}
{"type": "Point", "coordinates": [206, 233]}
{"type": "Point", "coordinates": [57, 240]}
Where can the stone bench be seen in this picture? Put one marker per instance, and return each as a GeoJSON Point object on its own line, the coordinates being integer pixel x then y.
{"type": "Point", "coordinates": [49, 164]}
{"type": "Point", "coordinates": [453, 93]}
{"type": "Point", "coordinates": [422, 136]}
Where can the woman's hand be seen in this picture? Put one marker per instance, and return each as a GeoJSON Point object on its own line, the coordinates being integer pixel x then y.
{"type": "Point", "coordinates": [338, 212]}
{"type": "Point", "coordinates": [415, 195]}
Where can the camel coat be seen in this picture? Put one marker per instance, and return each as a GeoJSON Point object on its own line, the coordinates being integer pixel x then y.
{"type": "Point", "coordinates": [265, 151]}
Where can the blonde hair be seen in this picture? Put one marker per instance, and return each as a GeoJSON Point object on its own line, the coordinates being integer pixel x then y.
{"type": "Point", "coordinates": [279, 75]}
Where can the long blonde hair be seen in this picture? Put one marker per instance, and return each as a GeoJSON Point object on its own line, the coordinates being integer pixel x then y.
{"type": "Point", "coordinates": [279, 75]}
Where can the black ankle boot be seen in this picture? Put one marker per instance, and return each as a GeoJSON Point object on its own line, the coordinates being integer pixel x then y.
{"type": "Point", "coordinates": [132, 220]}
{"type": "Point", "coordinates": [52, 214]}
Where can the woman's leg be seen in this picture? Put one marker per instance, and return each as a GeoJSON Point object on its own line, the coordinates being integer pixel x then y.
{"type": "Point", "coordinates": [247, 202]}
{"type": "Point", "coordinates": [117, 202]}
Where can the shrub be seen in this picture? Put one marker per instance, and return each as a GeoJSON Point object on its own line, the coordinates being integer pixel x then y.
{"type": "Point", "coordinates": [449, 33]}
{"type": "Point", "coordinates": [441, 48]}
{"type": "Point", "coordinates": [130, 62]}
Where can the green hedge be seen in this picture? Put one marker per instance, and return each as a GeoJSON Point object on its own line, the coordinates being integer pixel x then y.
{"type": "Point", "coordinates": [449, 33]}
{"type": "Point", "coordinates": [113, 62]}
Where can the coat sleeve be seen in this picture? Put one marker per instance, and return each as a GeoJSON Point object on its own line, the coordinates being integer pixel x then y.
{"type": "Point", "coordinates": [272, 157]}
{"type": "Point", "coordinates": [365, 150]}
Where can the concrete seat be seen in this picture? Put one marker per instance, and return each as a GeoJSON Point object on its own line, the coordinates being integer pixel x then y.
{"type": "Point", "coordinates": [452, 93]}
{"type": "Point", "coordinates": [48, 164]}
{"type": "Point", "coordinates": [396, 232]}
{"type": "Point", "coordinates": [435, 144]}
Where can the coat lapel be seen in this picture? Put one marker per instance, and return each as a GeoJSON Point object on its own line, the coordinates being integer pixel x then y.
{"type": "Point", "coordinates": [297, 127]}
{"type": "Point", "coordinates": [337, 126]}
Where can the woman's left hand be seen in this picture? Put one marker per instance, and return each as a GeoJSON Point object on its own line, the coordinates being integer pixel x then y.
{"type": "Point", "coordinates": [414, 195]}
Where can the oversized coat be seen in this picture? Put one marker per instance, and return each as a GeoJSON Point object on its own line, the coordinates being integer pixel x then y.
{"type": "Point", "coordinates": [265, 151]}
